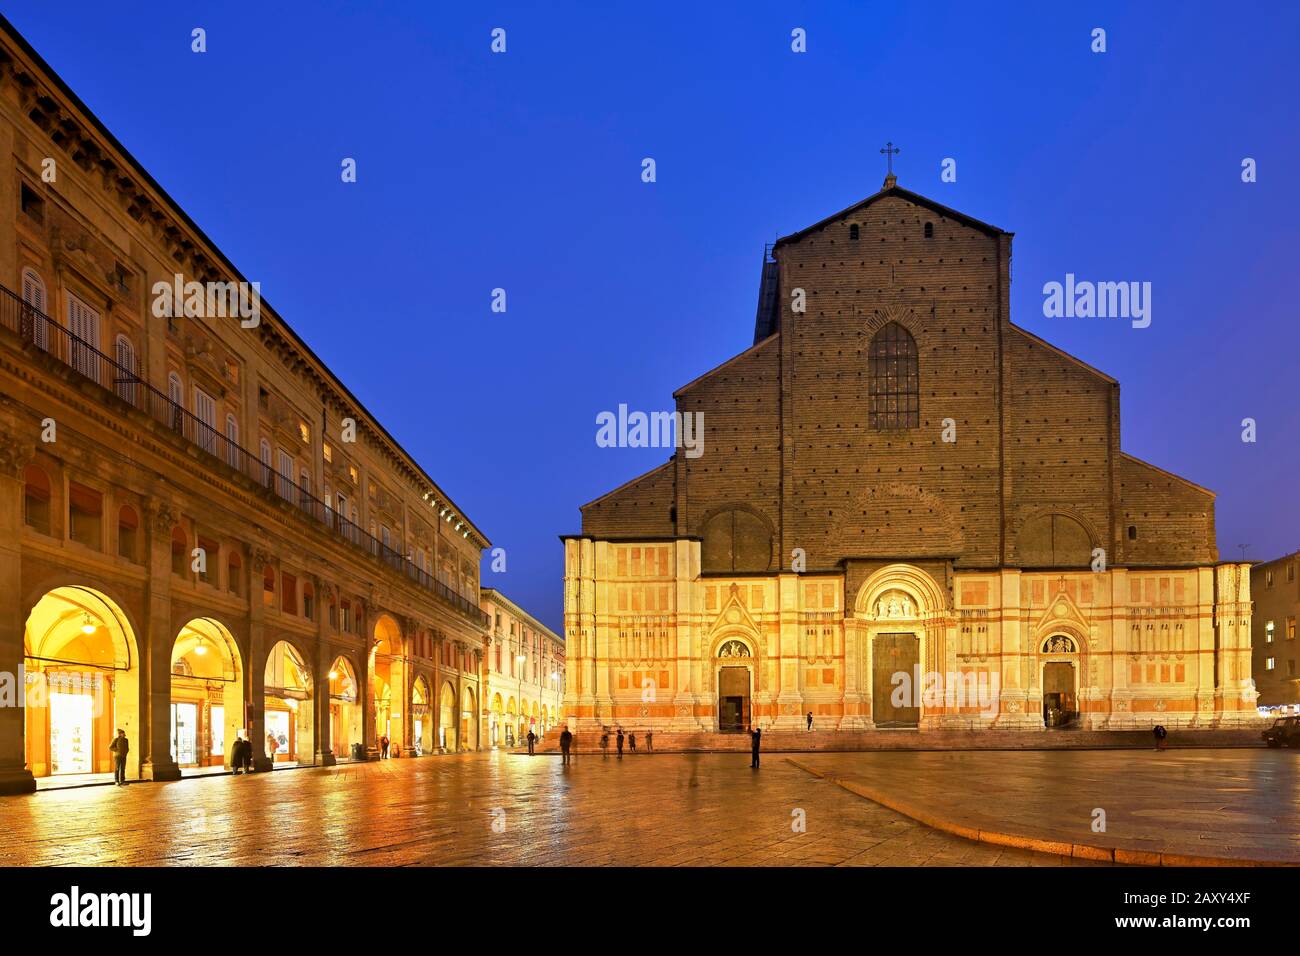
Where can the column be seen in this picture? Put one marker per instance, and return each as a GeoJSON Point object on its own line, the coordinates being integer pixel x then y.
{"type": "Point", "coordinates": [156, 647]}
{"type": "Point", "coordinates": [14, 775]}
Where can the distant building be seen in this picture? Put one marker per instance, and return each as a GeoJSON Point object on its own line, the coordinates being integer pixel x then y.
{"type": "Point", "coordinates": [524, 675]}
{"type": "Point", "coordinates": [1276, 591]}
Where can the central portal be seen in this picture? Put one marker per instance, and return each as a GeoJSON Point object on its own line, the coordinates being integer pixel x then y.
{"type": "Point", "coordinates": [895, 702]}
{"type": "Point", "coordinates": [733, 699]}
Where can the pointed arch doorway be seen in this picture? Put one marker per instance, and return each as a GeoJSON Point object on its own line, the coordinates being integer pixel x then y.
{"type": "Point", "coordinates": [735, 686]}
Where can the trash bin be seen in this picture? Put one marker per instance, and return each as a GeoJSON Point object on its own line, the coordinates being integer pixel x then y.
{"type": "Point", "coordinates": [358, 752]}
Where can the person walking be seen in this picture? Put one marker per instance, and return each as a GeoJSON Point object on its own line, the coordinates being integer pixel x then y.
{"type": "Point", "coordinates": [649, 741]}
{"type": "Point", "coordinates": [810, 720]}
{"type": "Point", "coordinates": [755, 739]}
{"type": "Point", "coordinates": [532, 741]}
{"type": "Point", "coordinates": [383, 747]}
{"type": "Point", "coordinates": [272, 746]}
{"type": "Point", "coordinates": [566, 743]}
{"type": "Point", "coordinates": [119, 748]}
{"type": "Point", "coordinates": [1159, 732]}
{"type": "Point", "coordinates": [619, 741]}
{"type": "Point", "coordinates": [604, 745]}
{"type": "Point", "coordinates": [631, 743]}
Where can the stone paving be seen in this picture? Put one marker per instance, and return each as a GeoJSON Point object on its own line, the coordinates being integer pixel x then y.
{"type": "Point", "coordinates": [660, 810]}
{"type": "Point", "coordinates": [1237, 805]}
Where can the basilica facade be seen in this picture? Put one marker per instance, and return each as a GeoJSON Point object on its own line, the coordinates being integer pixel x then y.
{"type": "Point", "coordinates": [906, 513]}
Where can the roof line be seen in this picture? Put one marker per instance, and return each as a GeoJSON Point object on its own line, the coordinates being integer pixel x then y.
{"type": "Point", "coordinates": [902, 193]}
{"type": "Point", "coordinates": [718, 368]}
{"type": "Point", "coordinates": [1062, 353]}
{"type": "Point", "coordinates": [1169, 474]}
{"type": "Point", "coordinates": [627, 484]}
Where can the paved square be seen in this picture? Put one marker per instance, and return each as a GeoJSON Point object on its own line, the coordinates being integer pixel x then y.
{"type": "Point", "coordinates": [661, 810]}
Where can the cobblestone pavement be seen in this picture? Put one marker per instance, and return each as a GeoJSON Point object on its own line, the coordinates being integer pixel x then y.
{"type": "Point", "coordinates": [1235, 804]}
{"type": "Point", "coordinates": [661, 810]}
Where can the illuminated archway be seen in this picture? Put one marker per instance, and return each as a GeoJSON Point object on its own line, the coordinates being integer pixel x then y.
{"type": "Point", "coordinates": [345, 707]}
{"type": "Point", "coordinates": [207, 701]}
{"type": "Point", "coordinates": [469, 719]}
{"type": "Point", "coordinates": [289, 707]}
{"type": "Point", "coordinates": [387, 669]}
{"type": "Point", "coordinates": [511, 729]}
{"type": "Point", "coordinates": [82, 668]}
{"type": "Point", "coordinates": [495, 732]}
{"type": "Point", "coordinates": [421, 716]}
{"type": "Point", "coordinates": [448, 720]}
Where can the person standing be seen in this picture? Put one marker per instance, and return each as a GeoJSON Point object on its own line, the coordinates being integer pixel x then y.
{"type": "Point", "coordinates": [272, 746]}
{"type": "Point", "coordinates": [649, 741]}
{"type": "Point", "coordinates": [1159, 732]}
{"type": "Point", "coordinates": [566, 743]}
{"type": "Point", "coordinates": [755, 739]}
{"type": "Point", "coordinates": [119, 748]}
{"type": "Point", "coordinates": [604, 745]}
{"type": "Point", "coordinates": [619, 740]}
{"type": "Point", "coordinates": [810, 720]}
{"type": "Point", "coordinates": [631, 743]}
{"type": "Point", "coordinates": [532, 741]}
{"type": "Point", "coordinates": [383, 747]}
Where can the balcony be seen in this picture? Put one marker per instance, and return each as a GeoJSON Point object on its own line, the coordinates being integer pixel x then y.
{"type": "Point", "coordinates": [41, 332]}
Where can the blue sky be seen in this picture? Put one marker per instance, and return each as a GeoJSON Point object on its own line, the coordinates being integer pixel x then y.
{"type": "Point", "coordinates": [522, 171]}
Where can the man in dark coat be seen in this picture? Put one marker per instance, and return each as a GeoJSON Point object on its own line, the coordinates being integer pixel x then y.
{"type": "Point", "coordinates": [566, 743]}
{"type": "Point", "coordinates": [532, 740]}
{"type": "Point", "coordinates": [755, 737]}
{"type": "Point", "coordinates": [619, 741]}
{"type": "Point", "coordinates": [119, 748]}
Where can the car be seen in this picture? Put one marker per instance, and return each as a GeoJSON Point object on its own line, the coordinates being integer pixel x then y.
{"type": "Point", "coordinates": [1285, 732]}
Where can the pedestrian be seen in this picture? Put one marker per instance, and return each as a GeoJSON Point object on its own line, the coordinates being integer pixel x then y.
{"type": "Point", "coordinates": [241, 755]}
{"type": "Point", "coordinates": [272, 746]}
{"type": "Point", "coordinates": [604, 745]}
{"type": "Point", "coordinates": [119, 748]}
{"type": "Point", "coordinates": [810, 720]}
{"type": "Point", "coordinates": [383, 747]}
{"type": "Point", "coordinates": [532, 740]}
{"type": "Point", "coordinates": [566, 743]}
{"type": "Point", "coordinates": [755, 739]}
{"type": "Point", "coordinates": [649, 741]}
{"type": "Point", "coordinates": [1159, 732]}
{"type": "Point", "coordinates": [631, 742]}
{"type": "Point", "coordinates": [619, 740]}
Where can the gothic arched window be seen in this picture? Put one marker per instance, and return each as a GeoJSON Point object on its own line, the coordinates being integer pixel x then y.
{"type": "Point", "coordinates": [895, 386]}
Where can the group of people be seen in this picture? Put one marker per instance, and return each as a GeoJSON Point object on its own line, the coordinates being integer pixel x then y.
{"type": "Point", "coordinates": [630, 739]}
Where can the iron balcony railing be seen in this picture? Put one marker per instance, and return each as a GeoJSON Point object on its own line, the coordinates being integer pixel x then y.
{"type": "Point", "coordinates": [38, 329]}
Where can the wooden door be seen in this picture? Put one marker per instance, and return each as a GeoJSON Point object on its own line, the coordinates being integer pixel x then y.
{"type": "Point", "coordinates": [895, 654]}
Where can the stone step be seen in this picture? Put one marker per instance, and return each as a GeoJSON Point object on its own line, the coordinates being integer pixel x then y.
{"type": "Point", "coordinates": [833, 740]}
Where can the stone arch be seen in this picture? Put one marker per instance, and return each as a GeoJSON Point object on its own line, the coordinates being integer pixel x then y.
{"type": "Point", "coordinates": [345, 706]}
{"type": "Point", "coordinates": [920, 586]}
{"type": "Point", "coordinates": [207, 694]}
{"type": "Point", "coordinates": [1055, 537]}
{"type": "Point", "coordinates": [1059, 643]}
{"type": "Point", "coordinates": [469, 718]}
{"type": "Point", "coordinates": [736, 537]}
{"type": "Point", "coordinates": [387, 676]}
{"type": "Point", "coordinates": [448, 718]}
{"type": "Point", "coordinates": [421, 714]}
{"type": "Point", "coordinates": [289, 702]}
{"type": "Point", "coordinates": [82, 661]}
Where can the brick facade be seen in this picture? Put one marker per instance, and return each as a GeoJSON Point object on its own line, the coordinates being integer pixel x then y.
{"type": "Point", "coordinates": [1002, 512]}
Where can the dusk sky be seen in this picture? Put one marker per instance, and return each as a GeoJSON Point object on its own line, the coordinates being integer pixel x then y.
{"type": "Point", "coordinates": [523, 171]}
